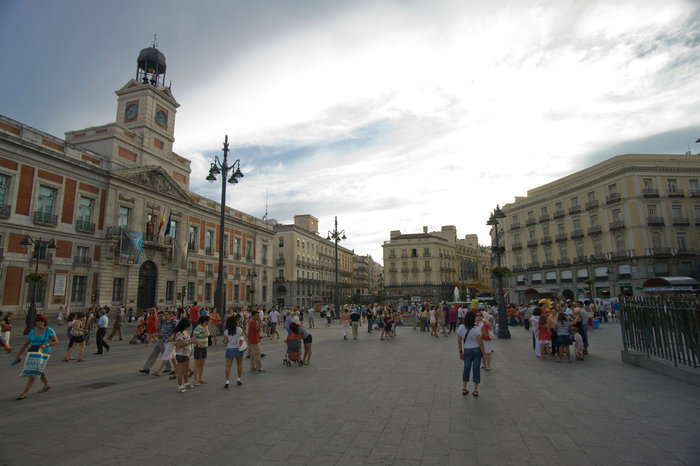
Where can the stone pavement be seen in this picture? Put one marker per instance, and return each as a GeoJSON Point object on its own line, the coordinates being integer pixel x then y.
{"type": "Point", "coordinates": [359, 402]}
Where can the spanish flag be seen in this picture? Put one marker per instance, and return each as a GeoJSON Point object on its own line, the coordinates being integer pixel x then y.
{"type": "Point", "coordinates": [162, 221]}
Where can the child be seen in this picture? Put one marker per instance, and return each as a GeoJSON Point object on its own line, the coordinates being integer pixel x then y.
{"type": "Point", "coordinates": [578, 344]}
{"type": "Point", "coordinates": [544, 338]}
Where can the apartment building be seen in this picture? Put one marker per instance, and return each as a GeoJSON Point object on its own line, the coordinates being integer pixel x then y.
{"type": "Point", "coordinates": [602, 231]}
{"type": "Point", "coordinates": [427, 266]}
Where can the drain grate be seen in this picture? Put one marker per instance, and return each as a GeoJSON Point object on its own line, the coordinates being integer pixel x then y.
{"type": "Point", "coordinates": [99, 384]}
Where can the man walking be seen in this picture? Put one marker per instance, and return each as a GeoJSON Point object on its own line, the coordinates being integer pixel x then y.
{"type": "Point", "coordinates": [117, 326]}
{"type": "Point", "coordinates": [355, 322]}
{"type": "Point", "coordinates": [274, 320]}
{"type": "Point", "coordinates": [102, 324]}
{"type": "Point", "coordinates": [311, 316]}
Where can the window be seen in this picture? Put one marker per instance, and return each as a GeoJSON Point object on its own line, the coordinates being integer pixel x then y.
{"type": "Point", "coordinates": [516, 238]}
{"type": "Point", "coordinates": [533, 257]}
{"type": "Point", "coordinates": [612, 189]}
{"type": "Point", "coordinates": [45, 201]}
{"type": "Point", "coordinates": [692, 184]}
{"type": "Point", "coordinates": [237, 248]}
{"type": "Point", "coordinates": [616, 215]}
{"type": "Point", "coordinates": [574, 202]}
{"type": "Point", "coordinates": [676, 211]}
{"type": "Point", "coordinates": [124, 215]}
{"type": "Point", "coordinates": [597, 247]}
{"type": "Point", "coordinates": [249, 250]}
{"type": "Point", "coordinates": [82, 254]}
{"type": "Point", "coordinates": [77, 296]}
{"type": "Point", "coordinates": [577, 224]}
{"type": "Point", "coordinates": [264, 292]}
{"type": "Point", "coordinates": [209, 240]}
{"type": "Point", "coordinates": [85, 206]}
{"type": "Point", "coordinates": [414, 252]}
{"type": "Point", "coordinates": [531, 215]}
{"type": "Point", "coordinates": [696, 211]}
{"type": "Point", "coordinates": [192, 241]}
{"type": "Point", "coordinates": [594, 220]}
{"type": "Point", "coordinates": [648, 183]}
{"type": "Point", "coordinates": [532, 234]}
{"type": "Point", "coordinates": [544, 211]}
{"type": "Point", "coordinates": [280, 274]}
{"type": "Point", "coordinates": [173, 229]}
{"type": "Point", "coordinates": [579, 249]}
{"type": "Point", "coordinates": [117, 290]}
{"type": "Point", "coordinates": [563, 252]}
{"type": "Point", "coordinates": [548, 254]}
{"type": "Point", "coordinates": [680, 239]}
{"type": "Point", "coordinates": [281, 242]}
{"type": "Point", "coordinates": [236, 292]}
{"type": "Point", "coordinates": [656, 240]}
{"type": "Point", "coordinates": [545, 231]}
{"type": "Point", "coordinates": [672, 185]}
{"type": "Point", "coordinates": [264, 254]}
{"type": "Point", "coordinates": [4, 186]}
{"type": "Point", "coordinates": [591, 196]}
{"type": "Point", "coordinates": [426, 252]}
{"type": "Point", "coordinates": [660, 269]}
{"type": "Point", "coordinates": [518, 259]}
{"type": "Point", "coordinates": [190, 291]}
{"type": "Point", "coordinates": [207, 292]}
{"type": "Point", "coordinates": [620, 243]}
{"type": "Point", "coordinates": [561, 229]}
{"type": "Point", "coordinates": [40, 292]}
{"type": "Point", "coordinates": [225, 249]}
{"type": "Point", "coordinates": [651, 210]}
{"type": "Point", "coordinates": [169, 291]}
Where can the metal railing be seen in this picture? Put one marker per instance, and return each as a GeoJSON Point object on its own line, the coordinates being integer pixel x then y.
{"type": "Point", "coordinates": [665, 328]}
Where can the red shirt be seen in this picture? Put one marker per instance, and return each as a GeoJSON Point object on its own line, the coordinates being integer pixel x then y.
{"type": "Point", "coordinates": [194, 314]}
{"type": "Point", "coordinates": [253, 332]}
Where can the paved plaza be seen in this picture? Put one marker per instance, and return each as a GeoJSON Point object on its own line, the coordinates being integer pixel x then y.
{"type": "Point", "coordinates": [359, 402]}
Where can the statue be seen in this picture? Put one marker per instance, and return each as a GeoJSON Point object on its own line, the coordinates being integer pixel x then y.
{"type": "Point", "coordinates": [456, 294]}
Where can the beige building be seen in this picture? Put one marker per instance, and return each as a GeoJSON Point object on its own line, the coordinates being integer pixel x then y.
{"type": "Point", "coordinates": [427, 266]}
{"type": "Point", "coordinates": [604, 230]}
{"type": "Point", "coordinates": [305, 265]}
{"type": "Point", "coordinates": [104, 196]}
{"type": "Point", "coordinates": [366, 283]}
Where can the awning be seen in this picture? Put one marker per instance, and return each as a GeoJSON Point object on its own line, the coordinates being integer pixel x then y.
{"type": "Point", "coordinates": [540, 292]}
{"type": "Point", "coordinates": [670, 284]}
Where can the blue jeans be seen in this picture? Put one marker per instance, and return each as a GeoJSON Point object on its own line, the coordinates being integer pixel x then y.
{"type": "Point", "coordinates": [472, 356]}
{"type": "Point", "coordinates": [424, 324]}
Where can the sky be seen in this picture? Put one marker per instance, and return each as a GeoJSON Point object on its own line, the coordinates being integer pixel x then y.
{"type": "Point", "coordinates": [390, 115]}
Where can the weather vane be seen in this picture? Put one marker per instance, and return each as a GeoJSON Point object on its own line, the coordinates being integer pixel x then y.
{"type": "Point", "coordinates": [155, 41]}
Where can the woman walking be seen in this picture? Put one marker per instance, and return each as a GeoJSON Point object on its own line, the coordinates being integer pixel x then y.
{"type": "Point", "coordinates": [40, 339]}
{"type": "Point", "coordinates": [307, 339]}
{"type": "Point", "coordinates": [232, 336]}
{"type": "Point", "coordinates": [563, 338]}
{"type": "Point", "coordinates": [345, 323]}
{"type": "Point", "coordinates": [77, 337]}
{"type": "Point", "coordinates": [6, 327]}
{"type": "Point", "coordinates": [471, 347]}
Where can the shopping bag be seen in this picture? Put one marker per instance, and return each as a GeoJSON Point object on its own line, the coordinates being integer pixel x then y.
{"type": "Point", "coordinates": [34, 364]}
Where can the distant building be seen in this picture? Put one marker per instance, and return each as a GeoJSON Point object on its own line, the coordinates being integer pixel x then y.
{"type": "Point", "coordinates": [305, 265]}
{"type": "Point", "coordinates": [427, 266]}
{"type": "Point", "coordinates": [603, 231]}
{"type": "Point", "coordinates": [366, 283]}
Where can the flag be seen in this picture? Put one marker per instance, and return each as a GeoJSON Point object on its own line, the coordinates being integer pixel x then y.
{"type": "Point", "coordinates": [167, 227]}
{"type": "Point", "coordinates": [149, 225]}
{"type": "Point", "coordinates": [162, 221]}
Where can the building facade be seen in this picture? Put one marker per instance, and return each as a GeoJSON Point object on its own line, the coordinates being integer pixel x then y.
{"type": "Point", "coordinates": [114, 199]}
{"type": "Point", "coordinates": [366, 283]}
{"type": "Point", "coordinates": [603, 231]}
{"type": "Point", "coordinates": [427, 266]}
{"type": "Point", "coordinates": [305, 265]}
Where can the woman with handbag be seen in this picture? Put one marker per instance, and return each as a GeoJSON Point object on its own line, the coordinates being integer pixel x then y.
{"type": "Point", "coordinates": [7, 327]}
{"type": "Point", "coordinates": [77, 337]}
{"type": "Point", "coordinates": [40, 339]}
{"type": "Point", "coordinates": [471, 348]}
{"type": "Point", "coordinates": [235, 346]}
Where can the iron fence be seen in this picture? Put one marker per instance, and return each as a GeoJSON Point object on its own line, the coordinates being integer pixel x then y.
{"type": "Point", "coordinates": [665, 328]}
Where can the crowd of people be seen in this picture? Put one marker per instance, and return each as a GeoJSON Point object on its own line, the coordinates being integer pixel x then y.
{"type": "Point", "coordinates": [181, 338]}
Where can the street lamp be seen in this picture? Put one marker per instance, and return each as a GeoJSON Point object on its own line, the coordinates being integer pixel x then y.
{"type": "Point", "coordinates": [251, 289]}
{"type": "Point", "coordinates": [498, 251]}
{"type": "Point", "coordinates": [31, 313]}
{"type": "Point", "coordinates": [336, 236]}
{"type": "Point", "coordinates": [222, 167]}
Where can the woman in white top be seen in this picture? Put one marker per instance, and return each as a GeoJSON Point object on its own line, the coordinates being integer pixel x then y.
{"type": "Point", "coordinates": [471, 348]}
{"type": "Point", "coordinates": [232, 337]}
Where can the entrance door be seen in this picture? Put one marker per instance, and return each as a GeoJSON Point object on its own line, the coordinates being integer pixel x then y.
{"type": "Point", "coordinates": [148, 276]}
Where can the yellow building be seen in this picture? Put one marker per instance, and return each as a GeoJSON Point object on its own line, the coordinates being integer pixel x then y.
{"type": "Point", "coordinates": [603, 231]}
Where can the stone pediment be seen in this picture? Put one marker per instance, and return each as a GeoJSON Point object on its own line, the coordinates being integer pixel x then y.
{"type": "Point", "coordinates": [155, 179]}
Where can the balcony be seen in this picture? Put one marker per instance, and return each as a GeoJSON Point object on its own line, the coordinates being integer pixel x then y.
{"type": "Point", "coordinates": [249, 258]}
{"type": "Point", "coordinates": [559, 213]}
{"type": "Point", "coordinates": [84, 226]}
{"type": "Point", "coordinates": [41, 218]}
{"type": "Point", "coordinates": [279, 280]}
{"type": "Point", "coordinates": [5, 211]}
{"type": "Point", "coordinates": [517, 245]}
{"type": "Point", "coordinates": [563, 262]}
{"type": "Point", "coordinates": [209, 274]}
{"type": "Point", "coordinates": [694, 192]}
{"type": "Point", "coordinates": [546, 240]}
{"type": "Point", "coordinates": [548, 264]}
{"type": "Point", "coordinates": [209, 250]}
{"type": "Point", "coordinates": [561, 237]}
{"type": "Point", "coordinates": [192, 271]}
{"type": "Point", "coordinates": [544, 218]}
{"type": "Point", "coordinates": [619, 255]}
{"type": "Point", "coordinates": [575, 209]}
{"type": "Point", "coordinates": [192, 246]}
{"type": "Point", "coordinates": [655, 221]}
{"type": "Point", "coordinates": [599, 257]}
{"type": "Point", "coordinates": [427, 269]}
{"type": "Point", "coordinates": [280, 261]}
{"type": "Point", "coordinates": [650, 192]}
{"type": "Point", "coordinates": [590, 205]}
{"type": "Point", "coordinates": [82, 260]}
{"type": "Point", "coordinates": [612, 198]}
{"type": "Point", "coordinates": [518, 268]}
{"type": "Point", "coordinates": [515, 225]}
{"type": "Point", "coordinates": [594, 230]}
{"type": "Point", "coordinates": [675, 192]}
{"type": "Point", "coordinates": [530, 221]}
{"type": "Point", "coordinates": [685, 252]}
{"type": "Point", "coordinates": [532, 243]}
{"type": "Point", "coordinates": [578, 233]}
{"type": "Point", "coordinates": [659, 252]}
{"type": "Point", "coordinates": [681, 221]}
{"type": "Point", "coordinates": [533, 266]}
{"type": "Point", "coordinates": [617, 225]}
{"type": "Point", "coordinates": [155, 240]}
{"type": "Point", "coordinates": [580, 260]}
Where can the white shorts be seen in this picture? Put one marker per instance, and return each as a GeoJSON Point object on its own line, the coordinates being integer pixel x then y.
{"type": "Point", "coordinates": [168, 351]}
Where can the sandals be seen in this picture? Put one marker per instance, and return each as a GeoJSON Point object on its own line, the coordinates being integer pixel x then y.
{"type": "Point", "coordinates": [173, 377]}
{"type": "Point", "coordinates": [155, 374]}
{"type": "Point", "coordinates": [45, 389]}
{"type": "Point", "coordinates": [475, 393]}
{"type": "Point", "coordinates": [21, 397]}
{"type": "Point", "coordinates": [465, 392]}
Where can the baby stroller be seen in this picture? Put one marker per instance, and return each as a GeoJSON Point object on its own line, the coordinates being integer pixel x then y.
{"type": "Point", "coordinates": [293, 355]}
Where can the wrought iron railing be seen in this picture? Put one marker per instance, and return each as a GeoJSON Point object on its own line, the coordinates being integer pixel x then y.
{"type": "Point", "coordinates": [664, 328]}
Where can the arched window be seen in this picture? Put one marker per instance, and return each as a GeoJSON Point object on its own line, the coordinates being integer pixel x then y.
{"type": "Point", "coordinates": [579, 249]}
{"type": "Point", "coordinates": [563, 252]}
{"type": "Point", "coordinates": [547, 254]}
{"type": "Point", "coordinates": [656, 240]}
{"type": "Point", "coordinates": [597, 247]}
{"type": "Point", "coordinates": [620, 243]}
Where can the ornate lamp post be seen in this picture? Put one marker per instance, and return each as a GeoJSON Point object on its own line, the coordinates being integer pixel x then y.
{"type": "Point", "coordinates": [498, 250]}
{"type": "Point", "coordinates": [222, 167]}
{"type": "Point", "coordinates": [251, 289]}
{"type": "Point", "coordinates": [34, 278]}
{"type": "Point", "coordinates": [336, 236]}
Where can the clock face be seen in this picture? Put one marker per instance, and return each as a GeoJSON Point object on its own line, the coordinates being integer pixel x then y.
{"type": "Point", "coordinates": [131, 111]}
{"type": "Point", "coordinates": [161, 117]}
